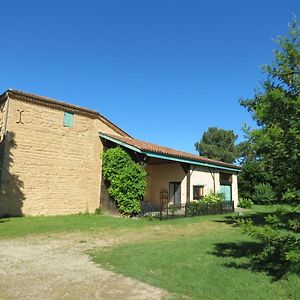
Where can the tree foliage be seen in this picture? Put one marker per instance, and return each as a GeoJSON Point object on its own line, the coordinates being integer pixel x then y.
{"type": "Point", "coordinates": [263, 193]}
{"type": "Point", "coordinates": [277, 251]}
{"type": "Point", "coordinates": [219, 144]}
{"type": "Point", "coordinates": [253, 173]}
{"type": "Point", "coordinates": [276, 144]}
{"type": "Point", "coordinates": [276, 109]}
{"type": "Point", "coordinates": [127, 180]}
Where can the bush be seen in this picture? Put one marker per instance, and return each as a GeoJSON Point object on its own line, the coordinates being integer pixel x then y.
{"type": "Point", "coordinates": [263, 193]}
{"type": "Point", "coordinates": [209, 204]}
{"type": "Point", "coordinates": [127, 180]}
{"type": "Point", "coordinates": [98, 211]}
{"type": "Point", "coordinates": [212, 198]}
{"type": "Point", "coordinates": [245, 203]}
{"type": "Point", "coordinates": [292, 195]}
{"type": "Point", "coordinates": [278, 252]}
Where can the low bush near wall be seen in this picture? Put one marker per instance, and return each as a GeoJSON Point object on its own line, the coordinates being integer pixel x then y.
{"type": "Point", "coordinates": [213, 203]}
{"type": "Point", "coordinates": [196, 208]}
{"type": "Point", "coordinates": [212, 198]}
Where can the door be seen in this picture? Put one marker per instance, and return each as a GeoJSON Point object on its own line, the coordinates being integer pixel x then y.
{"type": "Point", "coordinates": [175, 193]}
{"type": "Point", "coordinates": [225, 190]}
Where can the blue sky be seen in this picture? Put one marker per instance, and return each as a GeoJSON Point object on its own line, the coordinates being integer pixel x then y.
{"type": "Point", "coordinates": [163, 70]}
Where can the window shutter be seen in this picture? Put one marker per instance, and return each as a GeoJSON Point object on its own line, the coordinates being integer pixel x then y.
{"type": "Point", "coordinates": [68, 119]}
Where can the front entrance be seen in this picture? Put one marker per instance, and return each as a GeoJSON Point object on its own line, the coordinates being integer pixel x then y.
{"type": "Point", "coordinates": [225, 190]}
{"type": "Point", "coordinates": [174, 193]}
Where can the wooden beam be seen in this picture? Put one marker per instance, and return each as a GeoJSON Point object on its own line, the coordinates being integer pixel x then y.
{"type": "Point", "coordinates": [188, 185]}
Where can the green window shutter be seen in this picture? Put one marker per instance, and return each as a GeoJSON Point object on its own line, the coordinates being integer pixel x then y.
{"type": "Point", "coordinates": [68, 119]}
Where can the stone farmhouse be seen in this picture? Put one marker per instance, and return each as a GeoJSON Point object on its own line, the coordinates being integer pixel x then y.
{"type": "Point", "coordinates": [50, 160]}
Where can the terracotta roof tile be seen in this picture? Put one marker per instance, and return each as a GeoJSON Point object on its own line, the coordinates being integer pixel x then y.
{"type": "Point", "coordinates": [149, 147]}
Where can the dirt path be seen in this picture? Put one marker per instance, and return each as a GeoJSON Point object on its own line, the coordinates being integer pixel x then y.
{"type": "Point", "coordinates": [56, 267]}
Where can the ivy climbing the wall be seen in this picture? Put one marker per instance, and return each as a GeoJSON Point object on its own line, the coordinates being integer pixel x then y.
{"type": "Point", "coordinates": [126, 180]}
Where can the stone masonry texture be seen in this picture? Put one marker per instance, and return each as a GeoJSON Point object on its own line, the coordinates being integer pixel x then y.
{"type": "Point", "coordinates": [49, 169]}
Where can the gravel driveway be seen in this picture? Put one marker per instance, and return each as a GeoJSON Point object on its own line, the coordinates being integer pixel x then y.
{"type": "Point", "coordinates": [57, 267]}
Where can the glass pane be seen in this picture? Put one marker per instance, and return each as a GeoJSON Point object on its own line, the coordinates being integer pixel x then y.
{"type": "Point", "coordinates": [177, 194]}
{"type": "Point", "coordinates": [198, 192]}
{"type": "Point", "coordinates": [171, 193]}
{"type": "Point", "coordinates": [225, 190]}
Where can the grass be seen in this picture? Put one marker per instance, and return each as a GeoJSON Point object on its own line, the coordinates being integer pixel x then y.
{"type": "Point", "coordinates": [199, 266]}
{"type": "Point", "coordinates": [22, 226]}
{"type": "Point", "coordinates": [189, 268]}
{"type": "Point", "coordinates": [192, 258]}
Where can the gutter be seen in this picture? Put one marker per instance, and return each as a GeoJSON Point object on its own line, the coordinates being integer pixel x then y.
{"type": "Point", "coordinates": [166, 157]}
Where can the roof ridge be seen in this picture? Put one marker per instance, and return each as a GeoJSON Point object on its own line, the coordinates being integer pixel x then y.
{"type": "Point", "coordinates": [59, 103]}
{"type": "Point", "coordinates": [54, 101]}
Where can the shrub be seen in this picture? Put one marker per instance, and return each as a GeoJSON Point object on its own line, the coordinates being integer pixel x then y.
{"type": "Point", "coordinates": [263, 193]}
{"type": "Point", "coordinates": [98, 211]}
{"type": "Point", "coordinates": [292, 195]}
{"type": "Point", "coordinates": [212, 198]}
{"type": "Point", "coordinates": [209, 204]}
{"type": "Point", "coordinates": [245, 203]}
{"type": "Point", "coordinates": [127, 180]}
{"type": "Point", "coordinates": [278, 252]}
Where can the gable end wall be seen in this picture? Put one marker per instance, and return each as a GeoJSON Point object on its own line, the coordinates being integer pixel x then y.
{"type": "Point", "coordinates": [50, 169]}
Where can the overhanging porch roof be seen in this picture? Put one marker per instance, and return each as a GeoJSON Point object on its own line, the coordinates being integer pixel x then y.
{"type": "Point", "coordinates": [160, 152]}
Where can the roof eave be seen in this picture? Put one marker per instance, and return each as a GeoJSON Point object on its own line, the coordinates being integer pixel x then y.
{"type": "Point", "coordinates": [167, 157]}
{"type": "Point", "coordinates": [50, 102]}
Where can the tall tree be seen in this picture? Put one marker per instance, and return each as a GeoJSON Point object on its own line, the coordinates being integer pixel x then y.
{"type": "Point", "coordinates": [276, 109]}
{"type": "Point", "coordinates": [276, 143]}
{"type": "Point", "coordinates": [219, 144]}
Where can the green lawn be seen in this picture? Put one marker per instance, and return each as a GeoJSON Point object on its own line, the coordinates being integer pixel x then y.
{"type": "Point", "coordinates": [208, 265]}
{"type": "Point", "coordinates": [190, 268]}
{"type": "Point", "coordinates": [22, 226]}
{"type": "Point", "coordinates": [193, 258]}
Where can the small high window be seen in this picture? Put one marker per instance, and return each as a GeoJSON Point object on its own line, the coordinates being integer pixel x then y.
{"type": "Point", "coordinates": [68, 119]}
{"type": "Point", "coordinates": [198, 192]}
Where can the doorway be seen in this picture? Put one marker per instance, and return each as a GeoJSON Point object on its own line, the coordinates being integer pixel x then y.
{"type": "Point", "coordinates": [175, 193]}
{"type": "Point", "coordinates": [225, 190]}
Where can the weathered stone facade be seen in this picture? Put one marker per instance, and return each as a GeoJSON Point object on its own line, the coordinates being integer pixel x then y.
{"type": "Point", "coordinates": [50, 160]}
{"type": "Point", "coordinates": [47, 168]}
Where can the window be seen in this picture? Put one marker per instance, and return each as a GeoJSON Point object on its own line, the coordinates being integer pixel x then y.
{"type": "Point", "coordinates": [198, 192]}
{"type": "Point", "coordinates": [68, 119]}
{"type": "Point", "coordinates": [225, 178]}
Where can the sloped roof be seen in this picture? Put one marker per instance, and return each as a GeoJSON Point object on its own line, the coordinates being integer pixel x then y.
{"type": "Point", "coordinates": [149, 148]}
{"type": "Point", "coordinates": [49, 102]}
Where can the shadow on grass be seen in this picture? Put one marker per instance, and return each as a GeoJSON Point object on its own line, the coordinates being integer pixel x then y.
{"type": "Point", "coordinates": [256, 257]}
{"type": "Point", "coordinates": [248, 250]}
{"type": "Point", "coordinates": [257, 218]}
{"type": "Point", "coordinates": [4, 220]}
{"type": "Point", "coordinates": [236, 250]}
{"type": "Point", "coordinates": [283, 218]}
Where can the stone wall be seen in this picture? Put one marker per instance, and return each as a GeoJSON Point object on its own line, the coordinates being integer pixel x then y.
{"type": "Point", "coordinates": [50, 169]}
